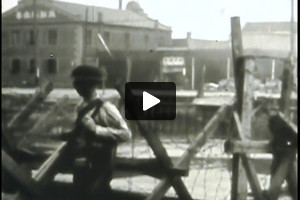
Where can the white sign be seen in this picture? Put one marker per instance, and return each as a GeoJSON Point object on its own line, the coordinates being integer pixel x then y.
{"type": "Point", "coordinates": [41, 14]}
{"type": "Point", "coordinates": [172, 60]}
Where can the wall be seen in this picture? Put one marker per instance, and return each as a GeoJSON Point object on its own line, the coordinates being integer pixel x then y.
{"type": "Point", "coordinates": [67, 52]}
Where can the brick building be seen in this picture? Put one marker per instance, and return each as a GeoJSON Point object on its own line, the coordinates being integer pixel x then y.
{"type": "Point", "coordinates": [61, 35]}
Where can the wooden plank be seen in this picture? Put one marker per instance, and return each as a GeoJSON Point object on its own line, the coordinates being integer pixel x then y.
{"type": "Point", "coordinates": [13, 171]}
{"type": "Point", "coordinates": [125, 167]}
{"type": "Point", "coordinates": [236, 146]}
{"type": "Point", "coordinates": [252, 177]}
{"type": "Point", "coordinates": [47, 168]}
{"type": "Point", "coordinates": [266, 54]}
{"type": "Point", "coordinates": [28, 109]}
{"type": "Point", "coordinates": [192, 150]}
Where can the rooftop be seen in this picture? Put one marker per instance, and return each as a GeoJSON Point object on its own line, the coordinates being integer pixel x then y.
{"type": "Point", "coordinates": [268, 27]}
{"type": "Point", "coordinates": [130, 17]}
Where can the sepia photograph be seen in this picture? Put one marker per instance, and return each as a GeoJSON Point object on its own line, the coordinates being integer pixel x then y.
{"type": "Point", "coordinates": [149, 99]}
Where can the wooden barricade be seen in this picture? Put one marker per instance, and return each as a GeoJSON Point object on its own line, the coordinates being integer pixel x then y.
{"type": "Point", "coordinates": [20, 117]}
{"type": "Point", "coordinates": [284, 132]}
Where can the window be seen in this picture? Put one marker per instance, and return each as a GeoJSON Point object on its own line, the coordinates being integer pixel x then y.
{"type": "Point", "coordinates": [161, 41]}
{"type": "Point", "coordinates": [106, 37]}
{"type": "Point", "coordinates": [127, 40]}
{"type": "Point", "coordinates": [146, 38]}
{"type": "Point", "coordinates": [88, 37]}
{"type": "Point", "coordinates": [31, 37]}
{"type": "Point", "coordinates": [52, 37]}
{"type": "Point", "coordinates": [100, 17]}
{"type": "Point", "coordinates": [15, 66]}
{"type": "Point", "coordinates": [15, 40]}
{"type": "Point", "coordinates": [5, 38]}
{"type": "Point", "coordinates": [32, 66]}
{"type": "Point", "coordinates": [51, 66]}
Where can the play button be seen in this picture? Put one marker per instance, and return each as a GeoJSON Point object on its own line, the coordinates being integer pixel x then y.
{"type": "Point", "coordinates": [149, 101]}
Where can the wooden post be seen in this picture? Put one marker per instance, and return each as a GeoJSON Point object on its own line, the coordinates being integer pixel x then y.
{"type": "Point", "coordinates": [202, 82]}
{"type": "Point", "coordinates": [36, 45]}
{"type": "Point", "coordinates": [193, 74]}
{"type": "Point", "coordinates": [249, 168]}
{"type": "Point", "coordinates": [239, 180]}
{"type": "Point", "coordinates": [228, 70]}
{"type": "Point", "coordinates": [192, 150]}
{"type": "Point", "coordinates": [161, 67]}
{"type": "Point", "coordinates": [248, 94]}
{"type": "Point", "coordinates": [286, 90]}
{"type": "Point", "coordinates": [273, 70]}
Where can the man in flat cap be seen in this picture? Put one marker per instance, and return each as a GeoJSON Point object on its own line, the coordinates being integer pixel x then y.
{"type": "Point", "coordinates": [99, 128]}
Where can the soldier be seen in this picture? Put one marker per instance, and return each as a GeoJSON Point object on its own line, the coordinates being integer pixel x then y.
{"type": "Point", "coordinates": [99, 128]}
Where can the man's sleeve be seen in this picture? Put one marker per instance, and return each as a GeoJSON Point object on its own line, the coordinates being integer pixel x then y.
{"type": "Point", "coordinates": [116, 126]}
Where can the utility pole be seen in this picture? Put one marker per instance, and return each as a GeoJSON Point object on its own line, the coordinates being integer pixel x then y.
{"type": "Point", "coordinates": [120, 4]}
{"type": "Point", "coordinates": [84, 35]}
{"type": "Point", "coordinates": [35, 36]}
{"type": "Point", "coordinates": [292, 32]}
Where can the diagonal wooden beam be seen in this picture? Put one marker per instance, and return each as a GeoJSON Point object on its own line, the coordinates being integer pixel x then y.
{"type": "Point", "coordinates": [249, 167]}
{"type": "Point", "coordinates": [13, 171]}
{"type": "Point", "coordinates": [48, 169]}
{"type": "Point", "coordinates": [165, 161]}
{"type": "Point", "coordinates": [33, 103]}
{"type": "Point", "coordinates": [289, 124]}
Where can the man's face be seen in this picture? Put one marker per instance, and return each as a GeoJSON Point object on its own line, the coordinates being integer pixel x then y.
{"type": "Point", "coordinates": [85, 90]}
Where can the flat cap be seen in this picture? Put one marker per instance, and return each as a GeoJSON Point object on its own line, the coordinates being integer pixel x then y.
{"type": "Point", "coordinates": [87, 72]}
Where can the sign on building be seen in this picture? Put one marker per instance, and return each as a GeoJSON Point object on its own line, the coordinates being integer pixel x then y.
{"type": "Point", "coordinates": [40, 14]}
{"type": "Point", "coordinates": [173, 61]}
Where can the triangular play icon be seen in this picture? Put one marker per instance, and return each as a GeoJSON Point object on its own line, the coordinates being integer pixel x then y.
{"type": "Point", "coordinates": [149, 101]}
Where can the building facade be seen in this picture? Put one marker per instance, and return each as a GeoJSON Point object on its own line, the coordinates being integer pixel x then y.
{"type": "Point", "coordinates": [46, 39]}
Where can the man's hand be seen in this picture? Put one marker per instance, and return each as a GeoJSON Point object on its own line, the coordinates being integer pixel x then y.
{"type": "Point", "coordinates": [89, 123]}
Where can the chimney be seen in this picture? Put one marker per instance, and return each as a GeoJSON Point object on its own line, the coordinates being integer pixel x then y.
{"type": "Point", "coordinates": [189, 35]}
{"type": "Point", "coordinates": [120, 4]}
